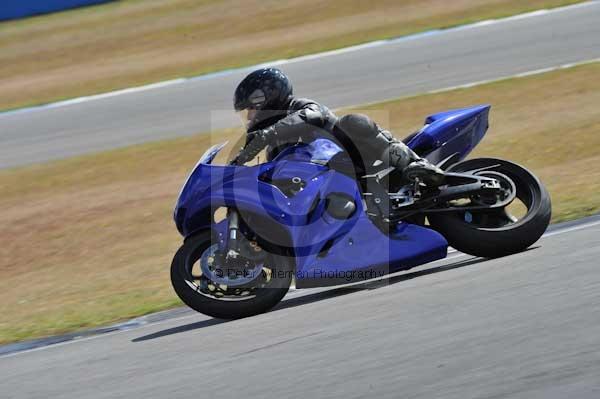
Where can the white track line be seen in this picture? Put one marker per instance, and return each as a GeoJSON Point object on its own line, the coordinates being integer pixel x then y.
{"type": "Point", "coordinates": [156, 323]}
{"type": "Point", "coordinates": [570, 229]}
{"type": "Point", "coordinates": [358, 47]}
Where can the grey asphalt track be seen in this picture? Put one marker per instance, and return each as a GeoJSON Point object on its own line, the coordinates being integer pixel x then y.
{"type": "Point", "coordinates": [523, 326]}
{"type": "Point", "coordinates": [395, 69]}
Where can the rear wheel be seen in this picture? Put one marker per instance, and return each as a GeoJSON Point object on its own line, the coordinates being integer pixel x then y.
{"type": "Point", "coordinates": [501, 231]}
{"type": "Point", "coordinates": [215, 290]}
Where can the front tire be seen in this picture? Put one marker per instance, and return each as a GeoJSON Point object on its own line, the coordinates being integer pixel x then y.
{"type": "Point", "coordinates": [495, 233]}
{"type": "Point", "coordinates": [189, 288]}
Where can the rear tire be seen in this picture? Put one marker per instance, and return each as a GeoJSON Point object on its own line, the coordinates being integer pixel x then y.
{"type": "Point", "coordinates": [504, 239]}
{"type": "Point", "coordinates": [263, 299]}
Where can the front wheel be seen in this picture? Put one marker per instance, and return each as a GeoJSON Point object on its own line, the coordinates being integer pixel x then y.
{"type": "Point", "coordinates": [213, 289]}
{"type": "Point", "coordinates": [492, 233]}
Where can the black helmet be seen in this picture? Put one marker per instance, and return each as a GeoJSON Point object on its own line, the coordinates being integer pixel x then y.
{"type": "Point", "coordinates": [267, 91]}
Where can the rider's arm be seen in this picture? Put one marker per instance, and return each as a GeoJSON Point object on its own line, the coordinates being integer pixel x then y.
{"type": "Point", "coordinates": [255, 144]}
{"type": "Point", "coordinates": [288, 128]}
{"type": "Point", "coordinates": [310, 113]}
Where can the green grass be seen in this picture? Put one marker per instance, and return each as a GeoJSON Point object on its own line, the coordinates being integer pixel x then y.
{"type": "Point", "coordinates": [88, 241]}
{"type": "Point", "coordinates": [129, 43]}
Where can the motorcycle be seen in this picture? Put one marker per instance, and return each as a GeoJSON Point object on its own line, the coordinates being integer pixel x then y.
{"type": "Point", "coordinates": [250, 230]}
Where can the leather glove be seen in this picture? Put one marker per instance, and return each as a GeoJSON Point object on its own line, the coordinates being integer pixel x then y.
{"type": "Point", "coordinates": [255, 144]}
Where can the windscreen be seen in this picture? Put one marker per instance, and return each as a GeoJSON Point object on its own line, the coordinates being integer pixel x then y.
{"type": "Point", "coordinates": [319, 151]}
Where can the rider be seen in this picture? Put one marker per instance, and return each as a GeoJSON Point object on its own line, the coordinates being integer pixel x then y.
{"type": "Point", "coordinates": [274, 118]}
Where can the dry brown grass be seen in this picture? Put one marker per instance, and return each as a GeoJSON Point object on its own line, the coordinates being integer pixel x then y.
{"type": "Point", "coordinates": [129, 43]}
{"type": "Point", "coordinates": [88, 240]}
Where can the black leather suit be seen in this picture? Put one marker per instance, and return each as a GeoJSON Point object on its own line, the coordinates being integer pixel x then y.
{"type": "Point", "coordinates": [306, 120]}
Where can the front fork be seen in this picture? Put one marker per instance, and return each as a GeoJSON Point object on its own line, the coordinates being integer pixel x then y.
{"type": "Point", "coordinates": [233, 221]}
{"type": "Point", "coordinates": [236, 243]}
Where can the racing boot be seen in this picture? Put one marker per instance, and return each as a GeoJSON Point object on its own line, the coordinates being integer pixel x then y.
{"type": "Point", "coordinates": [414, 167]}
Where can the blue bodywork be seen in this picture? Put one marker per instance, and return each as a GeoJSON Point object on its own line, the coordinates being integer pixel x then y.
{"type": "Point", "coordinates": [446, 133]}
{"type": "Point", "coordinates": [13, 9]}
{"type": "Point", "coordinates": [326, 250]}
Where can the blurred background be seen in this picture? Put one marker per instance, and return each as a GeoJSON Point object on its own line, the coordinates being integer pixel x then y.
{"type": "Point", "coordinates": [89, 176]}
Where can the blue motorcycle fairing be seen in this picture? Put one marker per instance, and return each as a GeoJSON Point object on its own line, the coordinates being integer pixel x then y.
{"type": "Point", "coordinates": [365, 252]}
{"type": "Point", "coordinates": [323, 246]}
{"type": "Point", "coordinates": [240, 187]}
{"type": "Point", "coordinates": [330, 251]}
{"type": "Point", "coordinates": [312, 227]}
{"type": "Point", "coordinates": [219, 180]}
{"type": "Point", "coordinates": [446, 133]}
{"type": "Point", "coordinates": [357, 250]}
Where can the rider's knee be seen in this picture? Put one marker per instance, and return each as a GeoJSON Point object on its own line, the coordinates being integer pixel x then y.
{"type": "Point", "coordinates": [357, 125]}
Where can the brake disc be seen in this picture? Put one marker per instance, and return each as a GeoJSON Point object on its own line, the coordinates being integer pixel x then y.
{"type": "Point", "coordinates": [232, 272]}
